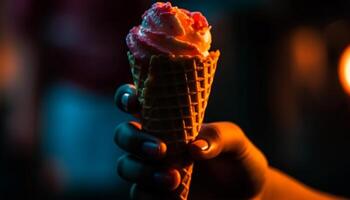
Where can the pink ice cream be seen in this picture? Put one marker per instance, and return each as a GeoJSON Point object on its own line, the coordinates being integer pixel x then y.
{"type": "Point", "coordinates": [168, 30]}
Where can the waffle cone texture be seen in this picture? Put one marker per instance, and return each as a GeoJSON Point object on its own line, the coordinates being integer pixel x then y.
{"type": "Point", "coordinates": [173, 92]}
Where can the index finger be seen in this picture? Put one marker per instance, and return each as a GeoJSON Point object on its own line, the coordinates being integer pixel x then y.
{"type": "Point", "coordinates": [129, 137]}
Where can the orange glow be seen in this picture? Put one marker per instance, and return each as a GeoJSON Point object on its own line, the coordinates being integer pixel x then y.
{"type": "Point", "coordinates": [308, 54]}
{"type": "Point", "coordinates": [344, 70]}
{"type": "Point", "coordinates": [8, 63]}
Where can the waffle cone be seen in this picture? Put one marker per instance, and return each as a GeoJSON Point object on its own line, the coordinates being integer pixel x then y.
{"type": "Point", "coordinates": [173, 93]}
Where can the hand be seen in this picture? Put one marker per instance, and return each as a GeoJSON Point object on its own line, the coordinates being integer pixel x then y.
{"type": "Point", "coordinates": [229, 165]}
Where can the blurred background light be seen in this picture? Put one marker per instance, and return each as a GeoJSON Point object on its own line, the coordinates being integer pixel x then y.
{"type": "Point", "coordinates": [308, 58]}
{"type": "Point", "coordinates": [344, 70]}
{"type": "Point", "coordinates": [8, 64]}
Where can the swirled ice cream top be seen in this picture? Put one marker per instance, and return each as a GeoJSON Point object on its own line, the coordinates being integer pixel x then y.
{"type": "Point", "coordinates": [168, 30]}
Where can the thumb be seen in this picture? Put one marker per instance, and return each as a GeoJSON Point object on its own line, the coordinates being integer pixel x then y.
{"type": "Point", "coordinates": [216, 138]}
{"type": "Point", "coordinates": [207, 145]}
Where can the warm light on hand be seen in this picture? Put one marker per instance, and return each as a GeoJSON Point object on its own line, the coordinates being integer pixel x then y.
{"type": "Point", "coordinates": [344, 70]}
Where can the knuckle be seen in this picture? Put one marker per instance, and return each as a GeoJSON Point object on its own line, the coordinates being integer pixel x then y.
{"type": "Point", "coordinates": [120, 132]}
{"type": "Point", "coordinates": [126, 137]}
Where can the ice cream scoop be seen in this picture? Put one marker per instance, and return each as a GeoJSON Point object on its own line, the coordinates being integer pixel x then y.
{"type": "Point", "coordinates": [168, 30]}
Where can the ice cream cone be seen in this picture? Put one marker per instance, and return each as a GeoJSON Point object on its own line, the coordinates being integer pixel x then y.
{"type": "Point", "coordinates": [173, 92]}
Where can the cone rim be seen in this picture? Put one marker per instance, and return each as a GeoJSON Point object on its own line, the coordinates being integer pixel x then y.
{"type": "Point", "coordinates": [214, 55]}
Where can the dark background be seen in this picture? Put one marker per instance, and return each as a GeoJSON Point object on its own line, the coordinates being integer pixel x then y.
{"type": "Point", "coordinates": [277, 78]}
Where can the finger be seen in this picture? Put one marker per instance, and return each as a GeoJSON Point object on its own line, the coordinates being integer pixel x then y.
{"type": "Point", "coordinates": [135, 170]}
{"type": "Point", "coordinates": [207, 145]}
{"type": "Point", "coordinates": [168, 179]}
{"type": "Point", "coordinates": [141, 192]}
{"type": "Point", "coordinates": [129, 137]}
{"type": "Point", "coordinates": [131, 169]}
{"type": "Point", "coordinates": [126, 99]}
{"type": "Point", "coordinates": [215, 138]}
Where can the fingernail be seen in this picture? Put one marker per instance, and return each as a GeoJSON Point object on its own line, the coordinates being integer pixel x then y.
{"type": "Point", "coordinates": [124, 101]}
{"type": "Point", "coordinates": [201, 144]}
{"type": "Point", "coordinates": [151, 149]}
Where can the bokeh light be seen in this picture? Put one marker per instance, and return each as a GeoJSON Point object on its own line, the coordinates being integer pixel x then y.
{"type": "Point", "coordinates": [344, 70]}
